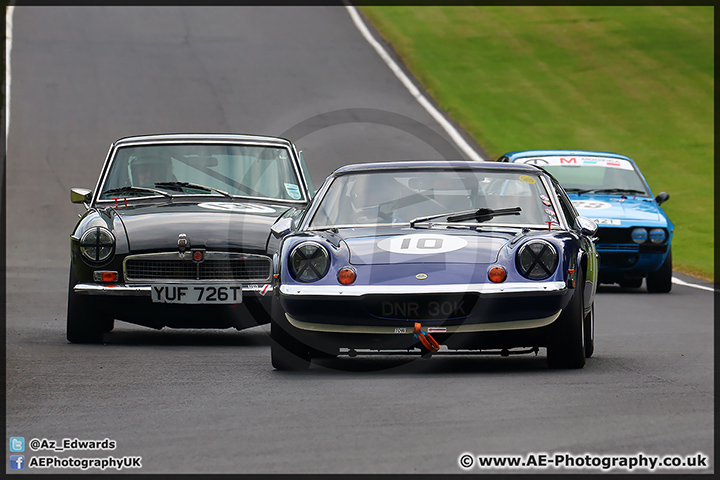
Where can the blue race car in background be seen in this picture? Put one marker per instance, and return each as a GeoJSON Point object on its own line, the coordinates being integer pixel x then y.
{"type": "Point", "coordinates": [634, 232]}
{"type": "Point", "coordinates": [409, 256]}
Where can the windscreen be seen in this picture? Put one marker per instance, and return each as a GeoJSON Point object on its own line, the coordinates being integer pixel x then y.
{"type": "Point", "coordinates": [243, 170]}
{"type": "Point", "coordinates": [397, 197]}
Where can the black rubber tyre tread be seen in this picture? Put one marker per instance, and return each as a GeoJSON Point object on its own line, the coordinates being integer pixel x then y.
{"type": "Point", "coordinates": [286, 352]}
{"type": "Point", "coordinates": [660, 281]}
{"type": "Point", "coordinates": [84, 324]}
{"type": "Point", "coordinates": [567, 347]}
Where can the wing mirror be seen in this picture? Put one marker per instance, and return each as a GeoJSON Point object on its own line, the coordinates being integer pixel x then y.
{"type": "Point", "coordinates": [586, 226]}
{"type": "Point", "coordinates": [282, 227]}
{"type": "Point", "coordinates": [662, 197]}
{"type": "Point", "coordinates": [80, 195]}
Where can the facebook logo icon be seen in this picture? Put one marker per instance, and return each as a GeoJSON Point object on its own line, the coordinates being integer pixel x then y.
{"type": "Point", "coordinates": [17, 462]}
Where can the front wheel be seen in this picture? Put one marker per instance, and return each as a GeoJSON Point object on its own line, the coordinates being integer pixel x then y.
{"type": "Point", "coordinates": [286, 352]}
{"type": "Point", "coordinates": [661, 280]}
{"type": "Point", "coordinates": [84, 322]}
{"type": "Point", "coordinates": [566, 348]}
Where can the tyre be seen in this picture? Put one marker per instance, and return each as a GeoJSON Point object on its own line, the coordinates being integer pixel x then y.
{"type": "Point", "coordinates": [567, 347]}
{"type": "Point", "coordinates": [589, 330]}
{"type": "Point", "coordinates": [286, 352]}
{"type": "Point", "coordinates": [84, 322]}
{"type": "Point", "coordinates": [661, 280]}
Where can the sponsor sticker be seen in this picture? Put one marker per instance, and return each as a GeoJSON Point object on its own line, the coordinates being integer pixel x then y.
{"type": "Point", "coordinates": [577, 161]}
{"type": "Point", "coordinates": [527, 179]}
{"type": "Point", "coordinates": [293, 190]}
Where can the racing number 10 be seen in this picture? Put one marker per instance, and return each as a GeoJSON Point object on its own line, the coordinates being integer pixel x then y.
{"type": "Point", "coordinates": [422, 243]}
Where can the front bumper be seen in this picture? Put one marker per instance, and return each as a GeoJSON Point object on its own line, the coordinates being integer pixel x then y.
{"type": "Point", "coordinates": [130, 290]}
{"type": "Point", "coordinates": [480, 288]}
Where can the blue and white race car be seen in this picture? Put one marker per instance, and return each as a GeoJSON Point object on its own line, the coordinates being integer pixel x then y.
{"type": "Point", "coordinates": [635, 233]}
{"type": "Point", "coordinates": [408, 256]}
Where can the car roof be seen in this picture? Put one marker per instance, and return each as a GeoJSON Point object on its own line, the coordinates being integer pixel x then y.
{"type": "Point", "coordinates": [434, 164]}
{"type": "Point", "coordinates": [200, 137]}
{"type": "Point", "coordinates": [539, 153]}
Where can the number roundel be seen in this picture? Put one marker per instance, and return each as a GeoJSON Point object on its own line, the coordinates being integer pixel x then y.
{"type": "Point", "coordinates": [421, 244]}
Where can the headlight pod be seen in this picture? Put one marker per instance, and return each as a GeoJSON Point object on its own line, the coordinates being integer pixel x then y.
{"type": "Point", "coordinates": [536, 260]}
{"type": "Point", "coordinates": [639, 235]}
{"type": "Point", "coordinates": [309, 262]}
{"type": "Point", "coordinates": [657, 235]}
{"type": "Point", "coordinates": [97, 245]}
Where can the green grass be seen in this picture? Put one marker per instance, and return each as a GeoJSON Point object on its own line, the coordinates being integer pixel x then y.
{"type": "Point", "coordinates": [636, 80]}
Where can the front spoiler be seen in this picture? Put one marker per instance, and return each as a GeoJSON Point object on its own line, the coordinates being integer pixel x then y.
{"type": "Point", "coordinates": [393, 330]}
{"type": "Point", "coordinates": [124, 290]}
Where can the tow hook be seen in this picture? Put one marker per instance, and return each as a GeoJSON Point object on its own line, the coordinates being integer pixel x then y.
{"type": "Point", "coordinates": [426, 340]}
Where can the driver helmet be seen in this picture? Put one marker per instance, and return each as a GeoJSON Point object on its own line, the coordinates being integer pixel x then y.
{"type": "Point", "coordinates": [149, 169]}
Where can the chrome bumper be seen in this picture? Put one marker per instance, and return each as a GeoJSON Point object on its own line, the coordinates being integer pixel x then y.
{"type": "Point", "coordinates": [481, 288]}
{"type": "Point", "coordinates": [124, 290]}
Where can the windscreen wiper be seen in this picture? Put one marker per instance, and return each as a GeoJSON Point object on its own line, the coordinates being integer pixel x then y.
{"type": "Point", "coordinates": [480, 215]}
{"type": "Point", "coordinates": [129, 188]}
{"type": "Point", "coordinates": [192, 185]}
{"type": "Point", "coordinates": [630, 191]}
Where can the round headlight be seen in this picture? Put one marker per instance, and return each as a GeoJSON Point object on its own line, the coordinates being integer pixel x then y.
{"type": "Point", "coordinates": [537, 260]}
{"type": "Point", "coordinates": [657, 235]}
{"type": "Point", "coordinates": [309, 262]}
{"type": "Point", "coordinates": [639, 235]}
{"type": "Point", "coordinates": [97, 244]}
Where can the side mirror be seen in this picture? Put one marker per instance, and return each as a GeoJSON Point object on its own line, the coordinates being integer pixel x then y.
{"type": "Point", "coordinates": [282, 227]}
{"type": "Point", "coordinates": [586, 226]}
{"type": "Point", "coordinates": [662, 197]}
{"type": "Point", "coordinates": [80, 195]}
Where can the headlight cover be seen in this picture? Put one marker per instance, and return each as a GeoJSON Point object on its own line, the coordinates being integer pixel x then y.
{"type": "Point", "coordinates": [536, 260]}
{"type": "Point", "coordinates": [657, 235]}
{"type": "Point", "coordinates": [97, 245]}
{"type": "Point", "coordinates": [309, 262]}
{"type": "Point", "coordinates": [639, 235]}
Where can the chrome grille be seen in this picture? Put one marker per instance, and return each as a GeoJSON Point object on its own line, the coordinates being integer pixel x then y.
{"type": "Point", "coordinates": [217, 266]}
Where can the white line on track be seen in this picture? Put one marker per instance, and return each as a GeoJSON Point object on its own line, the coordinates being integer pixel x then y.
{"type": "Point", "coordinates": [439, 117]}
{"type": "Point", "coordinates": [677, 281]}
{"type": "Point", "coordinates": [8, 48]}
